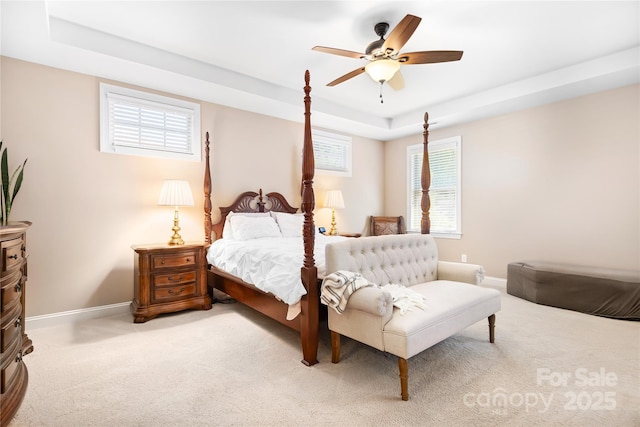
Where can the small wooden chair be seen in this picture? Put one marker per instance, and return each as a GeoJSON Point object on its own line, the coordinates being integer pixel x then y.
{"type": "Point", "coordinates": [380, 225]}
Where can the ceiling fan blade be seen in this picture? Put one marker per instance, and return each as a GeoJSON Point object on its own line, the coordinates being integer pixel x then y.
{"type": "Point", "coordinates": [401, 33]}
{"type": "Point", "coordinates": [341, 52]}
{"type": "Point", "coordinates": [346, 76]}
{"type": "Point", "coordinates": [397, 81]}
{"type": "Point", "coordinates": [430, 57]}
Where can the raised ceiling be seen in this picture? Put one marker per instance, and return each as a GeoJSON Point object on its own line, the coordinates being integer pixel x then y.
{"type": "Point", "coordinates": [252, 55]}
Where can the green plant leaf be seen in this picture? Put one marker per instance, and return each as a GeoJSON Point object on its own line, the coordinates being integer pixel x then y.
{"type": "Point", "coordinates": [10, 186]}
{"type": "Point", "coordinates": [18, 183]}
{"type": "Point", "coordinates": [4, 171]}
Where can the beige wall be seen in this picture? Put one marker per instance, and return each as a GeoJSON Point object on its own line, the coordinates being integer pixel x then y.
{"type": "Point", "coordinates": [88, 207]}
{"type": "Point", "coordinates": [559, 182]}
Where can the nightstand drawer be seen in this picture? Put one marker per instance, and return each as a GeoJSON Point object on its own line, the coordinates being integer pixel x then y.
{"type": "Point", "coordinates": [184, 259]}
{"type": "Point", "coordinates": [11, 254]}
{"type": "Point", "coordinates": [174, 279]}
{"type": "Point", "coordinates": [174, 292]}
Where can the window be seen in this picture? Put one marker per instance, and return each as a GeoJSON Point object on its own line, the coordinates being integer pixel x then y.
{"type": "Point", "coordinates": [332, 153]}
{"type": "Point", "coordinates": [145, 124]}
{"type": "Point", "coordinates": [445, 164]}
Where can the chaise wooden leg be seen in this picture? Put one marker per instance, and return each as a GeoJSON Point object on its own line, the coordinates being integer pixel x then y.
{"type": "Point", "coordinates": [404, 378]}
{"type": "Point", "coordinates": [335, 347]}
{"type": "Point", "coordinates": [492, 326]}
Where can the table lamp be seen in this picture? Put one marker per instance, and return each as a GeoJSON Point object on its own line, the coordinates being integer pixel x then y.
{"type": "Point", "coordinates": [333, 199]}
{"type": "Point", "coordinates": [175, 193]}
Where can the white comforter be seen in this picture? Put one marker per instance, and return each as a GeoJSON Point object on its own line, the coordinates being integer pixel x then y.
{"type": "Point", "coordinates": [270, 264]}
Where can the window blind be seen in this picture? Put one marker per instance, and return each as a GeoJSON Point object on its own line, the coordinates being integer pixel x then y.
{"type": "Point", "coordinates": [150, 126]}
{"type": "Point", "coordinates": [332, 152]}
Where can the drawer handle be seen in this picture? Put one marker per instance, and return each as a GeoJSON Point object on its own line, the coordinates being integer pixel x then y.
{"type": "Point", "coordinates": [18, 322]}
{"type": "Point", "coordinates": [18, 287]}
{"type": "Point", "coordinates": [14, 256]}
{"type": "Point", "coordinates": [188, 259]}
{"type": "Point", "coordinates": [19, 356]}
{"type": "Point", "coordinates": [176, 293]}
{"type": "Point", "coordinates": [179, 279]}
{"type": "Point", "coordinates": [162, 262]}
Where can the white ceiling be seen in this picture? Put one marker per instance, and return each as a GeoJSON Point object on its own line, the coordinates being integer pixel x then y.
{"type": "Point", "coordinates": [252, 55]}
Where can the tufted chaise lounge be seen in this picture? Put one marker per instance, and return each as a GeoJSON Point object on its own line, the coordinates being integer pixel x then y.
{"type": "Point", "coordinates": [453, 299]}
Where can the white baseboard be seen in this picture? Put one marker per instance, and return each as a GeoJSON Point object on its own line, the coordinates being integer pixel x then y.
{"type": "Point", "coordinates": [495, 281]}
{"type": "Point", "coordinates": [55, 319]}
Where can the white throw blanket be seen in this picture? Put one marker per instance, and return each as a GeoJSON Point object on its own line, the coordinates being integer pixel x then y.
{"type": "Point", "coordinates": [339, 286]}
{"type": "Point", "coordinates": [404, 298]}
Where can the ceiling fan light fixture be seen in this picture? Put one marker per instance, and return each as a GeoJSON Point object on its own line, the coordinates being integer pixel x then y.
{"type": "Point", "coordinates": [382, 70]}
{"type": "Point", "coordinates": [384, 57]}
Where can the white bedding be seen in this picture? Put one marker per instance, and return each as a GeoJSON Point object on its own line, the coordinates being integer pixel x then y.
{"type": "Point", "coordinates": [270, 264]}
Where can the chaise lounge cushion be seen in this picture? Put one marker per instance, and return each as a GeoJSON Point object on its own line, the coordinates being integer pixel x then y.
{"type": "Point", "coordinates": [450, 308]}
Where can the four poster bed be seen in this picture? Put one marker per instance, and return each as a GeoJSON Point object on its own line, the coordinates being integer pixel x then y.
{"type": "Point", "coordinates": [304, 316]}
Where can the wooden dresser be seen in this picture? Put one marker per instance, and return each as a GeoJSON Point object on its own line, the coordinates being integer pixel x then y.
{"type": "Point", "coordinates": [169, 278]}
{"type": "Point", "coordinates": [14, 343]}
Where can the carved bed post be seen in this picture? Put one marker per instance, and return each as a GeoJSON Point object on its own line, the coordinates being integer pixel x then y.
{"type": "Point", "coordinates": [207, 193]}
{"type": "Point", "coordinates": [309, 273]}
{"type": "Point", "coordinates": [425, 222]}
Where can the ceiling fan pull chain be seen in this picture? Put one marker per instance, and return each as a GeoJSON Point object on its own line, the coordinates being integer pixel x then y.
{"type": "Point", "coordinates": [381, 99]}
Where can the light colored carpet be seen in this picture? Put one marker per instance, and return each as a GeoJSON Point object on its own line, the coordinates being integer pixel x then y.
{"type": "Point", "coordinates": [232, 366]}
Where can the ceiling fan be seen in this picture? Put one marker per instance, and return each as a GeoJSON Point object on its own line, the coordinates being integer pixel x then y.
{"type": "Point", "coordinates": [384, 55]}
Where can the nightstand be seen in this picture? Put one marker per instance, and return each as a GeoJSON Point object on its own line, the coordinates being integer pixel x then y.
{"type": "Point", "coordinates": [169, 279]}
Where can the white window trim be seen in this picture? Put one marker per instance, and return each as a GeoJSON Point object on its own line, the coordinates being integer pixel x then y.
{"type": "Point", "coordinates": [418, 149]}
{"type": "Point", "coordinates": [106, 146]}
{"type": "Point", "coordinates": [319, 136]}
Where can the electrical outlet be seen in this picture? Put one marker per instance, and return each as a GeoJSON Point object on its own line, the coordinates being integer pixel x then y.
{"type": "Point", "coordinates": [463, 258]}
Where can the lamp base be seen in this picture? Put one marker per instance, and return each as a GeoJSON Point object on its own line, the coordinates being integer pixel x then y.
{"type": "Point", "coordinates": [176, 239]}
{"type": "Point", "coordinates": [333, 231]}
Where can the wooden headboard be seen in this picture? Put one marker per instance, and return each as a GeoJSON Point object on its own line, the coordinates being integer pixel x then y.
{"type": "Point", "coordinates": [250, 201]}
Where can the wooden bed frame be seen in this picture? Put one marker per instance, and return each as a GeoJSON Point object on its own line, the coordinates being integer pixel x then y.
{"type": "Point", "coordinates": [307, 322]}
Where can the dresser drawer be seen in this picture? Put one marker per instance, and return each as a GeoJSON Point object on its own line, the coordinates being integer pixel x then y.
{"type": "Point", "coordinates": [11, 330]}
{"type": "Point", "coordinates": [184, 259]}
{"type": "Point", "coordinates": [9, 373]}
{"type": "Point", "coordinates": [11, 252]}
{"type": "Point", "coordinates": [167, 293]}
{"type": "Point", "coordinates": [11, 290]}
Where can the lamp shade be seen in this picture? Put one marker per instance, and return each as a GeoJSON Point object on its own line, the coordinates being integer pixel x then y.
{"type": "Point", "coordinates": [175, 193]}
{"type": "Point", "coordinates": [382, 70]}
{"type": "Point", "coordinates": [333, 199]}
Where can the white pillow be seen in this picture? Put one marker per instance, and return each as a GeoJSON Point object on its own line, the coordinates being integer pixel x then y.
{"type": "Point", "coordinates": [254, 227]}
{"type": "Point", "coordinates": [290, 224]}
{"type": "Point", "coordinates": [227, 231]}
